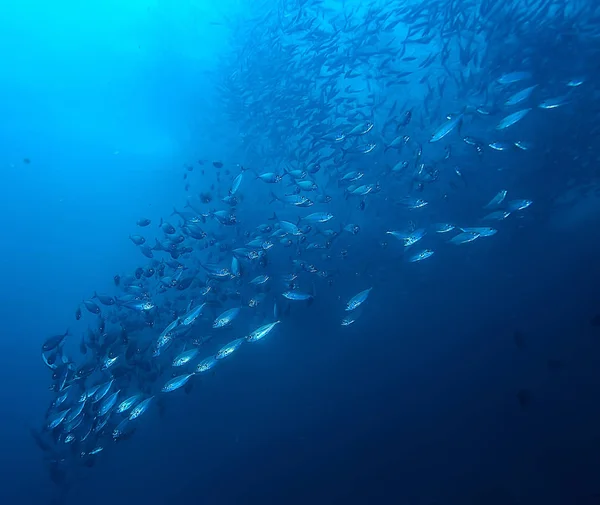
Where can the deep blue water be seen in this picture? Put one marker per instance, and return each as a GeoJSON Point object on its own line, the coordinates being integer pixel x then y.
{"type": "Point", "coordinates": [102, 108]}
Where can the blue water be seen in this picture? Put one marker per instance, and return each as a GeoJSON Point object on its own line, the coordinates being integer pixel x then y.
{"type": "Point", "coordinates": [103, 104]}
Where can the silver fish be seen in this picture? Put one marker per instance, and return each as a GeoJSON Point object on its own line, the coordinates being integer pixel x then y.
{"type": "Point", "coordinates": [497, 200]}
{"type": "Point", "coordinates": [520, 96]}
{"type": "Point", "coordinates": [140, 408]}
{"type": "Point", "coordinates": [185, 357]}
{"type": "Point", "coordinates": [226, 318]}
{"type": "Point", "coordinates": [229, 348]}
{"type": "Point", "coordinates": [513, 118]}
{"type": "Point", "coordinates": [357, 300]}
{"type": "Point", "coordinates": [446, 128]}
{"type": "Point", "coordinates": [464, 238]}
{"type": "Point", "coordinates": [176, 383]}
{"type": "Point", "coordinates": [261, 332]}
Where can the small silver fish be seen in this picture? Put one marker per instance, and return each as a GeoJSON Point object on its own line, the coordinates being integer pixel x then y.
{"type": "Point", "coordinates": [126, 404]}
{"type": "Point", "coordinates": [176, 383]}
{"type": "Point", "coordinates": [261, 332]}
{"type": "Point", "coordinates": [420, 256]}
{"type": "Point", "coordinates": [226, 318]}
{"type": "Point", "coordinates": [185, 357]}
{"type": "Point", "coordinates": [464, 238]}
{"type": "Point", "coordinates": [513, 118]}
{"type": "Point", "coordinates": [497, 200]}
{"type": "Point", "coordinates": [206, 364]}
{"type": "Point", "coordinates": [140, 408]}
{"type": "Point", "coordinates": [229, 348]}
{"type": "Point", "coordinates": [357, 300]}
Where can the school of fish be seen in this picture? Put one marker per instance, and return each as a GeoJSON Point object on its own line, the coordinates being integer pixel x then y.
{"type": "Point", "coordinates": [358, 124]}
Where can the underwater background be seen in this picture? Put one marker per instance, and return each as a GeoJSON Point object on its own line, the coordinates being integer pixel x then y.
{"type": "Point", "coordinates": [407, 192]}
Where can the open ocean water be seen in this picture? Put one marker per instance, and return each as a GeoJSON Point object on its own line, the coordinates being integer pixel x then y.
{"type": "Point", "coordinates": [300, 252]}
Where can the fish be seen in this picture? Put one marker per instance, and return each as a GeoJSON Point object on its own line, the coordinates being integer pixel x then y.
{"type": "Point", "coordinates": [140, 408]}
{"type": "Point", "coordinates": [500, 146]}
{"type": "Point", "coordinates": [91, 307]}
{"type": "Point", "coordinates": [57, 419]}
{"type": "Point", "coordinates": [261, 332]}
{"type": "Point", "coordinates": [497, 200]}
{"type": "Point", "coordinates": [108, 403]}
{"type": "Point", "coordinates": [412, 202]}
{"type": "Point", "coordinates": [206, 364]}
{"type": "Point", "coordinates": [421, 255]}
{"type": "Point", "coordinates": [259, 280]}
{"type": "Point", "coordinates": [192, 315]}
{"type": "Point", "coordinates": [512, 119]}
{"type": "Point", "coordinates": [465, 237]}
{"type": "Point", "coordinates": [520, 96]}
{"type": "Point", "coordinates": [497, 215]}
{"type": "Point", "coordinates": [185, 357]}
{"type": "Point", "coordinates": [176, 383]}
{"type": "Point", "coordinates": [297, 296]}
{"type": "Point", "coordinates": [54, 341]}
{"type": "Point", "coordinates": [128, 403]}
{"type": "Point", "coordinates": [358, 299]}
{"type": "Point", "coordinates": [517, 205]}
{"type": "Point", "coordinates": [236, 184]}
{"type": "Point", "coordinates": [483, 231]}
{"type": "Point", "coordinates": [446, 128]}
{"type": "Point", "coordinates": [226, 318]}
{"type": "Point", "coordinates": [318, 217]}
{"type": "Point", "coordinates": [514, 77]}
{"type": "Point", "coordinates": [554, 103]}
{"type": "Point", "coordinates": [443, 227]}
{"type": "Point", "coordinates": [229, 348]}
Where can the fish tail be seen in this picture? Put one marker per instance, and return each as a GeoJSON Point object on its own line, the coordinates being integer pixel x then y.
{"type": "Point", "coordinates": [175, 212]}
{"type": "Point", "coordinates": [161, 222]}
{"type": "Point", "coordinates": [274, 218]}
{"type": "Point", "coordinates": [273, 197]}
